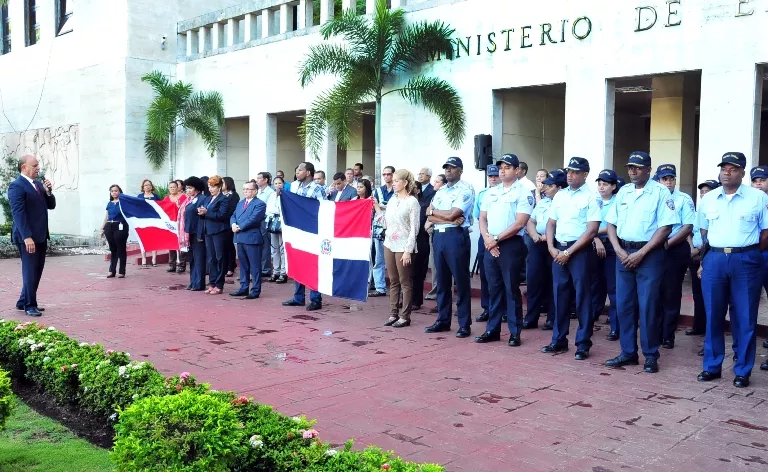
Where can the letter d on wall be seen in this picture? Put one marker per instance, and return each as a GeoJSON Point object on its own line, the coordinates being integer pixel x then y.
{"type": "Point", "coordinates": [648, 18]}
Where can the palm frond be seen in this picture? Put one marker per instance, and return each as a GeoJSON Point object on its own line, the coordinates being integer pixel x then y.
{"type": "Point", "coordinates": [156, 150]}
{"type": "Point", "coordinates": [387, 25]}
{"type": "Point", "coordinates": [159, 82]}
{"type": "Point", "coordinates": [353, 28]}
{"type": "Point", "coordinates": [419, 42]}
{"type": "Point", "coordinates": [161, 117]}
{"type": "Point", "coordinates": [207, 127]}
{"type": "Point", "coordinates": [206, 104]}
{"type": "Point", "coordinates": [324, 59]}
{"type": "Point", "coordinates": [439, 97]}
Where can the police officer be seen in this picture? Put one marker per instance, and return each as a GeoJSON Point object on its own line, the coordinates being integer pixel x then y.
{"type": "Point", "coordinates": [734, 226]}
{"type": "Point", "coordinates": [492, 171]}
{"type": "Point", "coordinates": [503, 216]}
{"type": "Point", "coordinates": [452, 204]}
{"type": "Point", "coordinates": [678, 255]}
{"type": "Point", "coordinates": [759, 176]}
{"type": "Point", "coordinates": [538, 260]}
{"type": "Point", "coordinates": [639, 222]}
{"type": "Point", "coordinates": [604, 280]}
{"type": "Point", "coordinates": [574, 218]}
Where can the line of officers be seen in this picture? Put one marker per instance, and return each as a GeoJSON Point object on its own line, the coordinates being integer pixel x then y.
{"type": "Point", "coordinates": [632, 243]}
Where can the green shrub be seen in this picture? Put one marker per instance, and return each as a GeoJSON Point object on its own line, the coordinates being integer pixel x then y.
{"type": "Point", "coordinates": [19, 340]}
{"type": "Point", "coordinates": [57, 367]}
{"type": "Point", "coordinates": [6, 398]}
{"type": "Point", "coordinates": [186, 432]}
{"type": "Point", "coordinates": [5, 229]}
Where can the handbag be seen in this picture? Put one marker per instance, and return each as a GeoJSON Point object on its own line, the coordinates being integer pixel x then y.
{"type": "Point", "coordinates": [379, 232]}
{"type": "Point", "coordinates": [274, 224]}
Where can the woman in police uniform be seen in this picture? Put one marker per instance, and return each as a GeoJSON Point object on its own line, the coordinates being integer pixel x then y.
{"type": "Point", "coordinates": [604, 283]}
{"type": "Point", "coordinates": [115, 229]}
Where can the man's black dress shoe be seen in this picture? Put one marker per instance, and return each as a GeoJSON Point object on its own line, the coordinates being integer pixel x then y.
{"type": "Point", "coordinates": [530, 325]}
{"type": "Point", "coordinates": [668, 344]}
{"type": "Point", "coordinates": [651, 366]}
{"type": "Point", "coordinates": [581, 355]}
{"type": "Point", "coordinates": [765, 344]}
{"type": "Point", "coordinates": [764, 366]}
{"type": "Point", "coordinates": [436, 328]}
{"type": "Point", "coordinates": [238, 294]}
{"type": "Point", "coordinates": [621, 360]}
{"type": "Point", "coordinates": [415, 307]}
{"type": "Point", "coordinates": [32, 312]}
{"type": "Point", "coordinates": [21, 308]}
{"type": "Point", "coordinates": [612, 336]}
{"type": "Point", "coordinates": [740, 381]}
{"type": "Point", "coordinates": [514, 340]}
{"type": "Point", "coordinates": [547, 326]}
{"type": "Point", "coordinates": [549, 348]}
{"type": "Point", "coordinates": [292, 302]}
{"type": "Point", "coordinates": [705, 376]}
{"type": "Point", "coordinates": [463, 333]}
{"type": "Point", "coordinates": [483, 317]}
{"type": "Point", "coordinates": [488, 337]}
{"type": "Point", "coordinates": [314, 306]}
{"type": "Point", "coordinates": [251, 297]}
{"type": "Point", "coordinates": [693, 332]}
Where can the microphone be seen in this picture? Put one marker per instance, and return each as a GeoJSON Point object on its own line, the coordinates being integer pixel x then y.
{"type": "Point", "coordinates": [41, 178]}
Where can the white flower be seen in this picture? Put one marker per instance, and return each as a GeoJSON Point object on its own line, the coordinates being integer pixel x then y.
{"type": "Point", "coordinates": [121, 370]}
{"type": "Point", "coordinates": [113, 416]}
{"type": "Point", "coordinates": [33, 347]}
{"type": "Point", "coordinates": [137, 366]}
{"type": "Point", "coordinates": [297, 419]}
{"type": "Point", "coordinates": [83, 344]}
{"type": "Point", "coordinates": [256, 441]}
{"type": "Point", "coordinates": [331, 452]}
{"type": "Point", "coordinates": [80, 377]}
{"type": "Point", "coordinates": [51, 328]}
{"type": "Point", "coordinates": [2, 321]}
{"type": "Point", "coordinates": [128, 354]}
{"type": "Point", "coordinates": [46, 359]}
{"type": "Point", "coordinates": [85, 388]}
{"type": "Point", "coordinates": [135, 396]}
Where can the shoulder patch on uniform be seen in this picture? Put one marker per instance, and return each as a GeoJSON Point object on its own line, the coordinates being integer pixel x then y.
{"type": "Point", "coordinates": [530, 200]}
{"type": "Point", "coordinates": [670, 204]}
{"type": "Point", "coordinates": [600, 203]}
{"type": "Point", "coordinates": [466, 197]}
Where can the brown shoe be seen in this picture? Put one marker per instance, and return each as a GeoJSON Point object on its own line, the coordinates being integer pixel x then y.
{"type": "Point", "coordinates": [111, 275]}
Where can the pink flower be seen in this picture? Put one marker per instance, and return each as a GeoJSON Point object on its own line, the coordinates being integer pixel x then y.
{"type": "Point", "coordinates": [63, 368]}
{"type": "Point", "coordinates": [110, 352]}
{"type": "Point", "coordinates": [310, 434]}
{"type": "Point", "coordinates": [385, 467]}
{"type": "Point", "coordinates": [184, 375]}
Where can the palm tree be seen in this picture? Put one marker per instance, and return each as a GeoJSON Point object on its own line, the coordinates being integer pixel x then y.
{"type": "Point", "coordinates": [176, 104]}
{"type": "Point", "coordinates": [377, 49]}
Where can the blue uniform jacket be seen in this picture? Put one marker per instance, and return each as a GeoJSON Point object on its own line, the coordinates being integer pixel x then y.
{"type": "Point", "coordinates": [249, 220]}
{"type": "Point", "coordinates": [216, 219]}
{"type": "Point", "coordinates": [30, 211]}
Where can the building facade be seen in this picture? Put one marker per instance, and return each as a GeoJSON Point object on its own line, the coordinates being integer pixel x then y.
{"type": "Point", "coordinates": [552, 79]}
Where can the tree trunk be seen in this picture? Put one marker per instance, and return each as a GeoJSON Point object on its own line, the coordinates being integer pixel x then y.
{"type": "Point", "coordinates": [172, 155]}
{"type": "Point", "coordinates": [377, 166]}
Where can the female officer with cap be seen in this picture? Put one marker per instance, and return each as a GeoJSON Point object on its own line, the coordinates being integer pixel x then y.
{"type": "Point", "coordinates": [604, 282]}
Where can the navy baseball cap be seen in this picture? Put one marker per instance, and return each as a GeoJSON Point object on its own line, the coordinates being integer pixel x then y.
{"type": "Point", "coordinates": [607, 175]}
{"type": "Point", "coordinates": [712, 184]}
{"type": "Point", "coordinates": [655, 177]}
{"type": "Point", "coordinates": [492, 170]}
{"type": "Point", "coordinates": [556, 177]}
{"type": "Point", "coordinates": [509, 159]}
{"type": "Point", "coordinates": [759, 172]}
{"type": "Point", "coordinates": [454, 162]}
{"type": "Point", "coordinates": [579, 164]}
{"type": "Point", "coordinates": [737, 159]}
{"type": "Point", "coordinates": [639, 159]}
{"type": "Point", "coordinates": [620, 182]}
{"type": "Point", "coordinates": [666, 170]}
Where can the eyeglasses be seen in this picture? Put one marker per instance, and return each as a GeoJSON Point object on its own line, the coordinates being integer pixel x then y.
{"type": "Point", "coordinates": [387, 173]}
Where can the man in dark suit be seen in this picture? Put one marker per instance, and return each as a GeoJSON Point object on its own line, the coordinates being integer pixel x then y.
{"type": "Point", "coordinates": [427, 190]}
{"type": "Point", "coordinates": [246, 224]}
{"type": "Point", "coordinates": [339, 190]}
{"type": "Point", "coordinates": [30, 201]}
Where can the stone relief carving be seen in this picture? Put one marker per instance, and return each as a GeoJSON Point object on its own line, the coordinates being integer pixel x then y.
{"type": "Point", "coordinates": [57, 149]}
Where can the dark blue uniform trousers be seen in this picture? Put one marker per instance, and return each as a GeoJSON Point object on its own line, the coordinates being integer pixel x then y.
{"type": "Point", "coordinates": [765, 271]}
{"type": "Point", "coordinates": [481, 255]}
{"type": "Point", "coordinates": [250, 267]}
{"type": "Point", "coordinates": [573, 278]}
{"type": "Point", "coordinates": [197, 262]}
{"type": "Point", "coordinates": [32, 266]}
{"type": "Point", "coordinates": [216, 247]}
{"type": "Point", "coordinates": [538, 264]}
{"type": "Point", "coordinates": [504, 285]}
{"type": "Point", "coordinates": [638, 300]}
{"type": "Point", "coordinates": [452, 252]}
{"type": "Point", "coordinates": [604, 285]}
{"type": "Point", "coordinates": [735, 279]}
{"type": "Point", "coordinates": [676, 261]}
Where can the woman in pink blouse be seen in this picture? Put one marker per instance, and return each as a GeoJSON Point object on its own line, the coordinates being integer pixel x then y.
{"type": "Point", "coordinates": [401, 220]}
{"type": "Point", "coordinates": [177, 259]}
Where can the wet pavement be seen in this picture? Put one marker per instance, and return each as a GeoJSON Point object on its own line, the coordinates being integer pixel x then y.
{"type": "Point", "coordinates": [429, 397]}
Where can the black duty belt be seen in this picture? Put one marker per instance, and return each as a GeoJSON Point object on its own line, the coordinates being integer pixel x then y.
{"type": "Point", "coordinates": [565, 243]}
{"type": "Point", "coordinates": [734, 250]}
{"type": "Point", "coordinates": [633, 244]}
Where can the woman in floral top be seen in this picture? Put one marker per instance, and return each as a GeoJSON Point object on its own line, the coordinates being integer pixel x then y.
{"type": "Point", "coordinates": [401, 220]}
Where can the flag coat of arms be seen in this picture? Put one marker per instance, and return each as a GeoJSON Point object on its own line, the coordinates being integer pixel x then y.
{"type": "Point", "coordinates": [328, 244]}
{"type": "Point", "coordinates": [152, 222]}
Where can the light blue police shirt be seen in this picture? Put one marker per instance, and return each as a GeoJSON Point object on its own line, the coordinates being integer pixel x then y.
{"type": "Point", "coordinates": [572, 209]}
{"type": "Point", "coordinates": [697, 241]}
{"type": "Point", "coordinates": [734, 223]}
{"type": "Point", "coordinates": [478, 201]}
{"type": "Point", "coordinates": [460, 195]}
{"type": "Point", "coordinates": [604, 207]}
{"type": "Point", "coordinates": [540, 212]}
{"type": "Point", "coordinates": [637, 217]}
{"type": "Point", "coordinates": [686, 211]}
{"type": "Point", "coordinates": [502, 204]}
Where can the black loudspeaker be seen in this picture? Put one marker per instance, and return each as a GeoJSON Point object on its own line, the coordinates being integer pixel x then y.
{"type": "Point", "coordinates": [483, 151]}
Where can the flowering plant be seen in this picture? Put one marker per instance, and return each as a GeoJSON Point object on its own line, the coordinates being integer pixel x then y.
{"type": "Point", "coordinates": [6, 398]}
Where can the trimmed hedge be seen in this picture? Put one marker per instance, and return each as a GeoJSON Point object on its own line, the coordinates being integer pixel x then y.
{"type": "Point", "coordinates": [6, 398]}
{"type": "Point", "coordinates": [174, 423]}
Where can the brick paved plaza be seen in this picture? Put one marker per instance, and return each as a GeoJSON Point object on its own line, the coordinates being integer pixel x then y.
{"type": "Point", "coordinates": [428, 397]}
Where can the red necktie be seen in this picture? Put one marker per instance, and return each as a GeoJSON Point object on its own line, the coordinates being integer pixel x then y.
{"type": "Point", "coordinates": [38, 189]}
{"type": "Point", "coordinates": [246, 205]}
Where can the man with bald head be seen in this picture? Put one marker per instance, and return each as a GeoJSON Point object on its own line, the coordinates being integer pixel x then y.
{"type": "Point", "coordinates": [30, 201]}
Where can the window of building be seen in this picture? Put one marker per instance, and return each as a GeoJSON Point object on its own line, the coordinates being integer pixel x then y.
{"type": "Point", "coordinates": [32, 26]}
{"type": "Point", "coordinates": [5, 31]}
{"type": "Point", "coordinates": [64, 16]}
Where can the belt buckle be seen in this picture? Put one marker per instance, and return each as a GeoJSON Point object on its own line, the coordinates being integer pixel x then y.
{"type": "Point", "coordinates": [727, 250]}
{"type": "Point", "coordinates": [563, 244]}
{"type": "Point", "coordinates": [441, 230]}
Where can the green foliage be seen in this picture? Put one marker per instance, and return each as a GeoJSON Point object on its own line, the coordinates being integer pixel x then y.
{"type": "Point", "coordinates": [6, 398]}
{"type": "Point", "coordinates": [5, 228]}
{"type": "Point", "coordinates": [161, 191]}
{"type": "Point", "coordinates": [185, 432]}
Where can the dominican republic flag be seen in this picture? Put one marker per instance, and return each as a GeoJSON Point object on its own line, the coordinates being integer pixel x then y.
{"type": "Point", "coordinates": [328, 244]}
{"type": "Point", "coordinates": [152, 222]}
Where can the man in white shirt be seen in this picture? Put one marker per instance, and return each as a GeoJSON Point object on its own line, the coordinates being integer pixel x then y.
{"type": "Point", "coordinates": [522, 176]}
{"type": "Point", "coordinates": [265, 193]}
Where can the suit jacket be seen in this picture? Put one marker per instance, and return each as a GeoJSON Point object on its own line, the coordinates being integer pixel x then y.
{"type": "Point", "coordinates": [216, 219]}
{"type": "Point", "coordinates": [249, 220]}
{"type": "Point", "coordinates": [427, 193]}
{"type": "Point", "coordinates": [191, 219]}
{"type": "Point", "coordinates": [347, 193]}
{"type": "Point", "coordinates": [30, 210]}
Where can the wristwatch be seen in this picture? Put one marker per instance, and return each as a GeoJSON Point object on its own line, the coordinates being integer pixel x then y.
{"type": "Point", "coordinates": [566, 253]}
{"type": "Point", "coordinates": [496, 238]}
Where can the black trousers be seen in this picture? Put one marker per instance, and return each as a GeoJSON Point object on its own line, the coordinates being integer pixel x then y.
{"type": "Point", "coordinates": [420, 262]}
{"type": "Point", "coordinates": [699, 313]}
{"type": "Point", "coordinates": [117, 240]}
{"type": "Point", "coordinates": [230, 260]}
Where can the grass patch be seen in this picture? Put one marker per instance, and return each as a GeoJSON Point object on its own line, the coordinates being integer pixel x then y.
{"type": "Point", "coordinates": [32, 442]}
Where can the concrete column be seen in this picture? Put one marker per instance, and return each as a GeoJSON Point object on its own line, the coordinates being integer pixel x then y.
{"type": "Point", "coordinates": [16, 14]}
{"type": "Point", "coordinates": [216, 36]}
{"type": "Point", "coordinates": [370, 7]}
{"type": "Point", "coordinates": [190, 43]}
{"type": "Point", "coordinates": [301, 15]}
{"type": "Point", "coordinates": [589, 111]}
{"type": "Point", "coordinates": [46, 18]}
{"type": "Point", "coordinates": [327, 156]}
{"type": "Point", "coordinates": [266, 23]}
{"type": "Point", "coordinates": [729, 118]}
{"type": "Point", "coordinates": [201, 33]}
{"type": "Point", "coordinates": [348, 4]}
{"type": "Point", "coordinates": [326, 11]}
{"type": "Point", "coordinates": [262, 143]}
{"type": "Point", "coordinates": [286, 18]}
{"type": "Point", "coordinates": [673, 125]}
{"type": "Point", "coordinates": [250, 27]}
{"type": "Point", "coordinates": [232, 31]}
